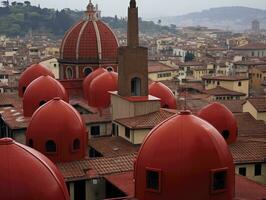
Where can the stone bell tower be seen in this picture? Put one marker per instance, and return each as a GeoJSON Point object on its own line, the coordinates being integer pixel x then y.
{"type": "Point", "coordinates": [133, 60]}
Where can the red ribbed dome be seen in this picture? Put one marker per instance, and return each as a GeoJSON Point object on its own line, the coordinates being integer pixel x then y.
{"type": "Point", "coordinates": [27, 174]}
{"type": "Point", "coordinates": [89, 40]}
{"type": "Point", "coordinates": [30, 74]}
{"type": "Point", "coordinates": [99, 89]}
{"type": "Point", "coordinates": [161, 91]}
{"type": "Point", "coordinates": [40, 91]}
{"type": "Point", "coordinates": [57, 130]}
{"type": "Point", "coordinates": [222, 119]}
{"type": "Point", "coordinates": [184, 158]}
{"type": "Point", "coordinates": [87, 81]}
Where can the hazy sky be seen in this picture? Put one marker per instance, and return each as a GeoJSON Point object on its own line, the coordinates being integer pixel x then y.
{"type": "Point", "coordinates": [150, 8]}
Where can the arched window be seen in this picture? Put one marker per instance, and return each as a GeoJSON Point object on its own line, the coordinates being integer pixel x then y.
{"type": "Point", "coordinates": [76, 144]}
{"type": "Point", "coordinates": [110, 69]}
{"type": "Point", "coordinates": [30, 143]}
{"type": "Point", "coordinates": [42, 102]}
{"type": "Point", "coordinates": [135, 87]}
{"type": "Point", "coordinates": [87, 71]}
{"type": "Point", "coordinates": [50, 146]}
{"type": "Point", "coordinates": [225, 134]}
{"type": "Point", "coordinates": [69, 73]}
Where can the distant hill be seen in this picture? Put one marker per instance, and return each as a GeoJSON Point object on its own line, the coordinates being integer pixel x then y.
{"type": "Point", "coordinates": [232, 18]}
{"type": "Point", "coordinates": [20, 18]}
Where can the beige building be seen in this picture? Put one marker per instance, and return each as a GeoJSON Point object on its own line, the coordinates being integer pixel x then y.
{"type": "Point", "coordinates": [233, 83]}
{"type": "Point", "coordinates": [250, 158]}
{"type": "Point", "coordinates": [52, 64]}
{"type": "Point", "coordinates": [258, 76]}
{"type": "Point", "coordinates": [161, 72]}
{"type": "Point", "coordinates": [220, 93]}
{"type": "Point", "coordinates": [256, 107]}
{"type": "Point", "coordinates": [135, 129]}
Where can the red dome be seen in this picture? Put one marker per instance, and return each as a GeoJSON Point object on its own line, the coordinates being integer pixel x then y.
{"type": "Point", "coordinates": [57, 130]}
{"type": "Point", "coordinates": [222, 119]}
{"type": "Point", "coordinates": [27, 174]}
{"type": "Point", "coordinates": [89, 40]}
{"type": "Point", "coordinates": [87, 81]}
{"type": "Point", "coordinates": [161, 91]}
{"type": "Point", "coordinates": [99, 89]}
{"type": "Point", "coordinates": [40, 91]}
{"type": "Point", "coordinates": [184, 158]}
{"type": "Point", "coordinates": [30, 74]}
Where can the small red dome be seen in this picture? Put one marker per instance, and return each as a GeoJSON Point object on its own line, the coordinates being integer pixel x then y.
{"type": "Point", "coordinates": [57, 130]}
{"type": "Point", "coordinates": [161, 91]}
{"type": "Point", "coordinates": [99, 89]}
{"type": "Point", "coordinates": [87, 81]}
{"type": "Point", "coordinates": [40, 91]}
{"type": "Point", "coordinates": [184, 158]}
{"type": "Point", "coordinates": [30, 74]}
{"type": "Point", "coordinates": [89, 40]}
{"type": "Point", "coordinates": [222, 119]}
{"type": "Point", "coordinates": [27, 174]}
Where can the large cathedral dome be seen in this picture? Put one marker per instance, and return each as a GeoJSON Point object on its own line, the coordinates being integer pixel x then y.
{"type": "Point", "coordinates": [88, 43]}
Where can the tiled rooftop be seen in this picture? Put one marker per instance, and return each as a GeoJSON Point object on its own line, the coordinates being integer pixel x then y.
{"type": "Point", "coordinates": [146, 121]}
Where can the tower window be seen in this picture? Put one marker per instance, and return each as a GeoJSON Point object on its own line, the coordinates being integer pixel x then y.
{"type": "Point", "coordinates": [42, 103]}
{"type": "Point", "coordinates": [87, 71]}
{"type": "Point", "coordinates": [30, 143]}
{"type": "Point", "coordinates": [219, 179]}
{"type": "Point", "coordinates": [135, 87]}
{"type": "Point", "coordinates": [76, 144]}
{"type": "Point", "coordinates": [225, 134]}
{"type": "Point", "coordinates": [153, 180]}
{"type": "Point", "coordinates": [242, 171]}
{"type": "Point", "coordinates": [258, 169]}
{"type": "Point", "coordinates": [239, 83]}
{"type": "Point", "coordinates": [50, 146]}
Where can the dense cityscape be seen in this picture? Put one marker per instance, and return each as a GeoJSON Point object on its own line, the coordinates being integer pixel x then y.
{"type": "Point", "coordinates": [123, 108]}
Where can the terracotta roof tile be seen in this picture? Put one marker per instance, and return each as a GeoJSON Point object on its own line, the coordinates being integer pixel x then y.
{"type": "Point", "coordinates": [249, 151]}
{"type": "Point", "coordinates": [248, 126]}
{"type": "Point", "coordinates": [159, 67]}
{"type": "Point", "coordinates": [145, 121]}
{"type": "Point", "coordinates": [258, 103]}
{"type": "Point", "coordinates": [225, 78]}
{"type": "Point", "coordinates": [102, 166]}
{"type": "Point", "coordinates": [113, 146]}
{"type": "Point", "coordinates": [220, 91]}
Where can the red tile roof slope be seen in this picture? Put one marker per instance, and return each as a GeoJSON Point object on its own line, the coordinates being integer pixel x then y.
{"type": "Point", "coordinates": [103, 166]}
{"type": "Point", "coordinates": [113, 146]}
{"type": "Point", "coordinates": [224, 78]}
{"type": "Point", "coordinates": [249, 151]}
{"type": "Point", "coordinates": [248, 126]}
{"type": "Point", "coordinates": [124, 181]}
{"type": "Point", "coordinates": [220, 91]}
{"type": "Point", "coordinates": [249, 190]}
{"type": "Point", "coordinates": [258, 103]}
{"type": "Point", "coordinates": [145, 121]}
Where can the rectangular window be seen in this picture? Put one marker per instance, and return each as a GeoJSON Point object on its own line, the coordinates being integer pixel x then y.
{"type": "Point", "coordinates": [239, 83]}
{"type": "Point", "coordinates": [127, 132]}
{"type": "Point", "coordinates": [219, 179]}
{"type": "Point", "coordinates": [218, 82]}
{"type": "Point", "coordinates": [95, 130]}
{"type": "Point", "coordinates": [153, 180]}
{"type": "Point", "coordinates": [258, 169]}
{"type": "Point", "coordinates": [242, 171]}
